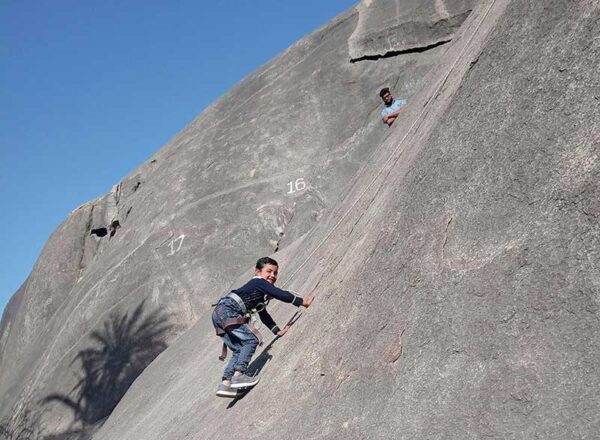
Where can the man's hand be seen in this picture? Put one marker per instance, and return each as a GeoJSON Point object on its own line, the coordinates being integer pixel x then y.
{"type": "Point", "coordinates": [308, 300]}
{"type": "Point", "coordinates": [283, 331]}
{"type": "Point", "coordinates": [389, 119]}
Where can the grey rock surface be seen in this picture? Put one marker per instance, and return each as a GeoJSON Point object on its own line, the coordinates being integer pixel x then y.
{"type": "Point", "coordinates": [457, 288]}
{"type": "Point", "coordinates": [388, 27]}
{"type": "Point", "coordinates": [253, 174]}
{"type": "Point", "coordinates": [454, 258]}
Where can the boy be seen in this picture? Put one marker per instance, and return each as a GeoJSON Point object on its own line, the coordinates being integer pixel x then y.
{"type": "Point", "coordinates": [231, 321]}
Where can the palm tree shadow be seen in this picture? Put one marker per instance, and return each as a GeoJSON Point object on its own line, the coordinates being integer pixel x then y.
{"type": "Point", "coordinates": [125, 346]}
{"type": "Point", "coordinates": [260, 362]}
{"type": "Point", "coordinates": [26, 425]}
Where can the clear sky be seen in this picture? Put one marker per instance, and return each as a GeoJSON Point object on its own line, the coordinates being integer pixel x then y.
{"type": "Point", "coordinates": [91, 88]}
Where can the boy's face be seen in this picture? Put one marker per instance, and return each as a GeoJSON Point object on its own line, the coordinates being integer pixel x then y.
{"type": "Point", "coordinates": [268, 272]}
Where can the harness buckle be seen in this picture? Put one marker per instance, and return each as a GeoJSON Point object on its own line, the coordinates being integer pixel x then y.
{"type": "Point", "coordinates": [257, 323]}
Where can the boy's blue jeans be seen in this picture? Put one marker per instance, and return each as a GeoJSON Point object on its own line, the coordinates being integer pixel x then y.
{"type": "Point", "coordinates": [238, 338]}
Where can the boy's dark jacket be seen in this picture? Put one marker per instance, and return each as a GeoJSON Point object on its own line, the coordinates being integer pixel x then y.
{"type": "Point", "coordinates": [258, 291]}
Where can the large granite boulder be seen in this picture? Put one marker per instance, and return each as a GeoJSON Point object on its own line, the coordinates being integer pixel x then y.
{"type": "Point", "coordinates": [457, 283]}
{"type": "Point", "coordinates": [254, 173]}
{"type": "Point", "coordinates": [454, 256]}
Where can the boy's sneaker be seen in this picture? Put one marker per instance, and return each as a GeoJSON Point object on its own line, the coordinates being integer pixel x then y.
{"type": "Point", "coordinates": [243, 381]}
{"type": "Point", "coordinates": [226, 391]}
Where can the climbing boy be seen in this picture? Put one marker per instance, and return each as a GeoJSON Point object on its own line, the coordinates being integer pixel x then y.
{"type": "Point", "coordinates": [392, 107]}
{"type": "Point", "coordinates": [232, 321]}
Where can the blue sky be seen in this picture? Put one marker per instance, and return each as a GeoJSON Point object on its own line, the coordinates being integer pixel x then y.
{"type": "Point", "coordinates": [89, 89]}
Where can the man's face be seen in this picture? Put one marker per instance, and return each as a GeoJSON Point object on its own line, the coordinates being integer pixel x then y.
{"type": "Point", "coordinates": [388, 99]}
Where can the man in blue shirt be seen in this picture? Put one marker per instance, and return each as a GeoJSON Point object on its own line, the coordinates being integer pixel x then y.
{"type": "Point", "coordinates": [392, 107]}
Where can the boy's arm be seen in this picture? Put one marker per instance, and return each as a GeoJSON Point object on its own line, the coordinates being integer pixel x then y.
{"type": "Point", "coordinates": [282, 295]}
{"type": "Point", "coordinates": [268, 321]}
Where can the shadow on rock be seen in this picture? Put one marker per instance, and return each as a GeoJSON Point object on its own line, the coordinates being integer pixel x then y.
{"type": "Point", "coordinates": [254, 369]}
{"type": "Point", "coordinates": [261, 361]}
{"type": "Point", "coordinates": [25, 426]}
{"type": "Point", "coordinates": [124, 347]}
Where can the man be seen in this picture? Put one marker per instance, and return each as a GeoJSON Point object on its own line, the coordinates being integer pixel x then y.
{"type": "Point", "coordinates": [392, 107]}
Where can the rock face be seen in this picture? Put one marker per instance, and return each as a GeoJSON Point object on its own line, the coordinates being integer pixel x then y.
{"type": "Point", "coordinates": [454, 256]}
{"type": "Point", "coordinates": [386, 28]}
{"type": "Point", "coordinates": [251, 175]}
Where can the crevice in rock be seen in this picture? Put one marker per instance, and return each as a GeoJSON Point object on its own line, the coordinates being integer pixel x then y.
{"type": "Point", "coordinates": [275, 219]}
{"type": "Point", "coordinates": [281, 234]}
{"type": "Point", "coordinates": [446, 236]}
{"type": "Point", "coordinates": [113, 227]}
{"type": "Point", "coordinates": [472, 63]}
{"type": "Point", "coordinates": [103, 232]}
{"type": "Point", "coordinates": [99, 232]}
{"type": "Point", "coordinates": [395, 53]}
{"type": "Point", "coordinates": [285, 225]}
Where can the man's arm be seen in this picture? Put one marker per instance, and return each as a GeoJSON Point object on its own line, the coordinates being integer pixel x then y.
{"type": "Point", "coordinates": [389, 119]}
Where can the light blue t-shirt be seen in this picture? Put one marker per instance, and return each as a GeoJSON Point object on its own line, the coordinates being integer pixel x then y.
{"type": "Point", "coordinates": [393, 108]}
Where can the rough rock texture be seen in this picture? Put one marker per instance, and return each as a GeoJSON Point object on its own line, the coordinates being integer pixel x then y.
{"type": "Point", "coordinates": [389, 27]}
{"type": "Point", "coordinates": [251, 175]}
{"type": "Point", "coordinates": [457, 276]}
{"type": "Point", "coordinates": [458, 298]}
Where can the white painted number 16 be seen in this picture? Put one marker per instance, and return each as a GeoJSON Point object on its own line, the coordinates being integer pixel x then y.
{"type": "Point", "coordinates": [297, 185]}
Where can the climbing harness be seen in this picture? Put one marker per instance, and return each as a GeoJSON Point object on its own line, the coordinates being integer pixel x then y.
{"type": "Point", "coordinates": [248, 317]}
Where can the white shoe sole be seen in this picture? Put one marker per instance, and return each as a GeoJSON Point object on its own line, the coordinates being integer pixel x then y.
{"type": "Point", "coordinates": [226, 394]}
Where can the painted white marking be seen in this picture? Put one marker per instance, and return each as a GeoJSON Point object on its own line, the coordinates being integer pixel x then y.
{"type": "Point", "coordinates": [176, 248]}
{"type": "Point", "coordinates": [296, 186]}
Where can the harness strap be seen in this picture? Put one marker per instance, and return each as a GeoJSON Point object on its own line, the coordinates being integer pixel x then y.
{"type": "Point", "coordinates": [256, 333]}
{"type": "Point", "coordinates": [223, 354]}
{"type": "Point", "coordinates": [259, 307]}
{"type": "Point", "coordinates": [237, 321]}
{"type": "Point", "coordinates": [238, 300]}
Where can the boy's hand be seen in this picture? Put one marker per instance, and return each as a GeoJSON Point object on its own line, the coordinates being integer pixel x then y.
{"type": "Point", "coordinates": [308, 300]}
{"type": "Point", "coordinates": [283, 331]}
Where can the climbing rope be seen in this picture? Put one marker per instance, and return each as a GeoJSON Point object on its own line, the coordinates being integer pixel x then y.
{"type": "Point", "coordinates": [393, 153]}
